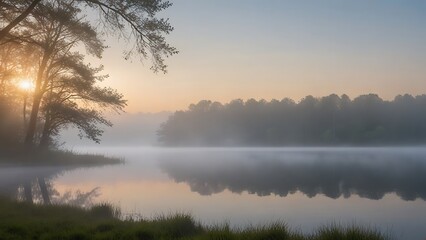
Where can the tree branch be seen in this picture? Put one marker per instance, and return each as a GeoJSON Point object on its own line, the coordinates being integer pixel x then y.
{"type": "Point", "coordinates": [5, 31]}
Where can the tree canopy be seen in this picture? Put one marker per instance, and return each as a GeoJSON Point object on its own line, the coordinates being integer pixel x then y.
{"type": "Point", "coordinates": [42, 41]}
{"type": "Point", "coordinates": [330, 120]}
{"type": "Point", "coordinates": [135, 21]}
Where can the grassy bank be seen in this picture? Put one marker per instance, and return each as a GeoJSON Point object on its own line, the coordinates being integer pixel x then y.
{"type": "Point", "coordinates": [20, 156]}
{"type": "Point", "coordinates": [27, 221]}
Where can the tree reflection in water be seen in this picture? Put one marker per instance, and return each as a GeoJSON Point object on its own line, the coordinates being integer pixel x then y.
{"type": "Point", "coordinates": [34, 184]}
{"type": "Point", "coordinates": [368, 174]}
{"type": "Point", "coordinates": [51, 196]}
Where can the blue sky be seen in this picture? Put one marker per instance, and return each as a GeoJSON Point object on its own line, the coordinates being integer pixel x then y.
{"type": "Point", "coordinates": [274, 49]}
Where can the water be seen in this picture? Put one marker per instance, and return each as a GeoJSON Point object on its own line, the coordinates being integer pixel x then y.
{"type": "Point", "coordinates": [384, 188]}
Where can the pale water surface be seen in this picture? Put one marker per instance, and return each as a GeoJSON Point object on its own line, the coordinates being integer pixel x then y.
{"type": "Point", "coordinates": [307, 188]}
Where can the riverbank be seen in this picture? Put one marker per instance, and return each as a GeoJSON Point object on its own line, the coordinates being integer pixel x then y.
{"type": "Point", "coordinates": [19, 220]}
{"type": "Point", "coordinates": [21, 157]}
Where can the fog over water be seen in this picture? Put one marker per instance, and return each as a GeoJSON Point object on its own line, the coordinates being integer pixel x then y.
{"type": "Point", "coordinates": [239, 113]}
{"type": "Point", "coordinates": [363, 172]}
{"type": "Point", "coordinates": [305, 187]}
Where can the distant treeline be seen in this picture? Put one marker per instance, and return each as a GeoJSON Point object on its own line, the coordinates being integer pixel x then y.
{"type": "Point", "coordinates": [331, 120]}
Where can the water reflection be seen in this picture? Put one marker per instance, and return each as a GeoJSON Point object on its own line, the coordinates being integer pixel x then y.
{"type": "Point", "coordinates": [369, 174]}
{"type": "Point", "coordinates": [34, 184]}
{"type": "Point", "coordinates": [162, 180]}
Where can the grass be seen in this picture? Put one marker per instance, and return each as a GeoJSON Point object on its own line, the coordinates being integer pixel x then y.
{"type": "Point", "coordinates": [26, 221]}
{"type": "Point", "coordinates": [20, 156]}
{"type": "Point", "coordinates": [336, 232]}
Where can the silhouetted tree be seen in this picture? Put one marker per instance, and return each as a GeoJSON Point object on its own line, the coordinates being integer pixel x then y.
{"type": "Point", "coordinates": [328, 120]}
{"type": "Point", "coordinates": [75, 83]}
{"type": "Point", "coordinates": [12, 64]}
{"type": "Point", "coordinates": [133, 20]}
{"type": "Point", "coordinates": [47, 31]}
{"type": "Point", "coordinates": [16, 11]}
{"type": "Point", "coordinates": [55, 31]}
{"type": "Point", "coordinates": [65, 89]}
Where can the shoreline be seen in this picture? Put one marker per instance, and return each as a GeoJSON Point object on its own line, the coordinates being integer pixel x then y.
{"type": "Point", "coordinates": [55, 158]}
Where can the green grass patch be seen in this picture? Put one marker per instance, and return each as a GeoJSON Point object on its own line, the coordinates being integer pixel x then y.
{"type": "Point", "coordinates": [19, 220]}
{"type": "Point", "coordinates": [339, 232]}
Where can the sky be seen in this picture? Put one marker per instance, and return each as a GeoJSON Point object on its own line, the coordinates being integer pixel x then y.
{"type": "Point", "coordinates": [274, 49]}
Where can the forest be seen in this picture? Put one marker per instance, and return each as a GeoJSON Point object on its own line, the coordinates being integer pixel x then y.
{"type": "Point", "coordinates": [330, 120]}
{"type": "Point", "coordinates": [46, 82]}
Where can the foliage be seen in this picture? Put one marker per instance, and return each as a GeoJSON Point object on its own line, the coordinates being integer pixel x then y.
{"type": "Point", "coordinates": [330, 120]}
{"type": "Point", "coordinates": [41, 40]}
{"type": "Point", "coordinates": [65, 89]}
{"type": "Point", "coordinates": [135, 21]}
{"type": "Point", "coordinates": [9, 127]}
{"type": "Point", "coordinates": [11, 97]}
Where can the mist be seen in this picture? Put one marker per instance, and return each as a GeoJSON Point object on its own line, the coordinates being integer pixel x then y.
{"type": "Point", "coordinates": [331, 172]}
{"type": "Point", "coordinates": [128, 129]}
{"type": "Point", "coordinates": [333, 120]}
{"type": "Point", "coordinates": [147, 119]}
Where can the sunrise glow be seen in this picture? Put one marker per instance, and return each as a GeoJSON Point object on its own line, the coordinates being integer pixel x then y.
{"type": "Point", "coordinates": [26, 85]}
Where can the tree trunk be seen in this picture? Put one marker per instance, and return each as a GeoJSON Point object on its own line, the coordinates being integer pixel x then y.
{"type": "Point", "coordinates": [24, 112]}
{"type": "Point", "coordinates": [45, 138]}
{"type": "Point", "coordinates": [33, 121]}
{"type": "Point", "coordinates": [28, 192]}
{"type": "Point", "coordinates": [5, 31]}
{"type": "Point", "coordinates": [38, 95]}
{"type": "Point", "coordinates": [43, 190]}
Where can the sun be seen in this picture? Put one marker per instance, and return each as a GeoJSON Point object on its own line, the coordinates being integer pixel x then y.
{"type": "Point", "coordinates": [26, 85]}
